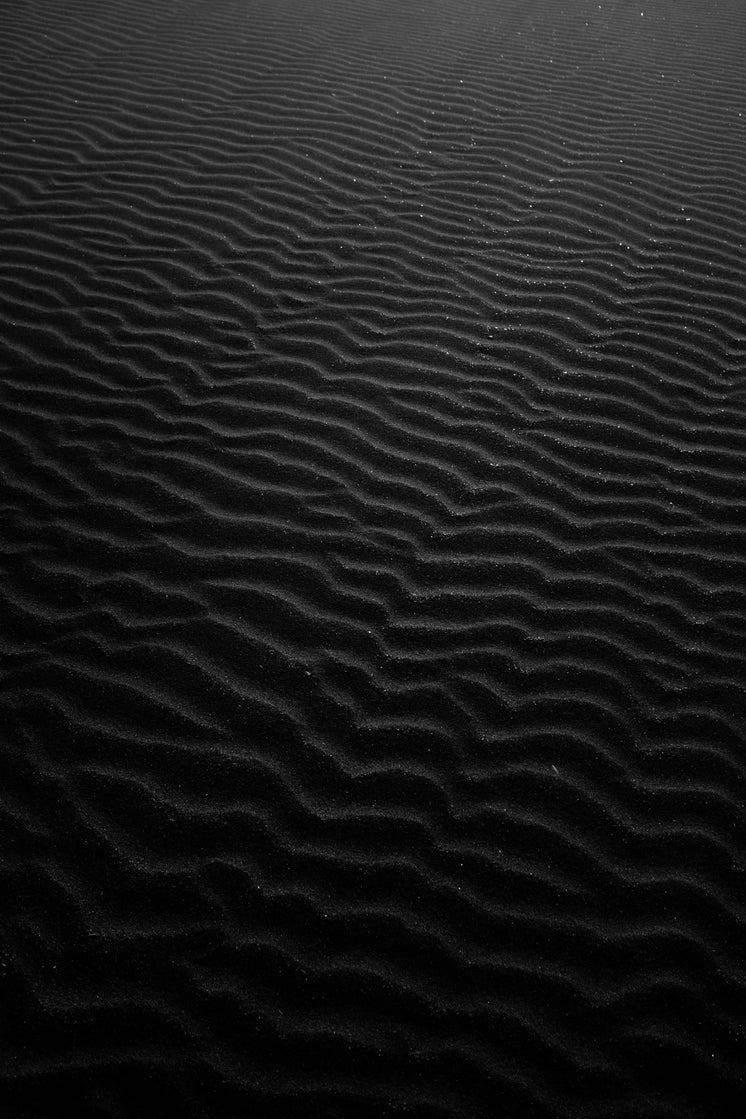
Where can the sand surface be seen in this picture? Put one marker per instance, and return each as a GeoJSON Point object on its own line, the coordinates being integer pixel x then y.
{"type": "Point", "coordinates": [372, 442]}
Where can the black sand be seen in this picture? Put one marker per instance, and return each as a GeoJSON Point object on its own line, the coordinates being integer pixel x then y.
{"type": "Point", "coordinates": [373, 423]}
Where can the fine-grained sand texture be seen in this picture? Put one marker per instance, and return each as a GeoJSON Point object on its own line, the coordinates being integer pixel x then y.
{"type": "Point", "coordinates": [373, 424]}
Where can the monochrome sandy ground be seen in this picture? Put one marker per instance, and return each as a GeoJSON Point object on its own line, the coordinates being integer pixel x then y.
{"type": "Point", "coordinates": [372, 444]}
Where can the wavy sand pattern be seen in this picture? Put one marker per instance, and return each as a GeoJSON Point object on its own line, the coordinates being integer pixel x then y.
{"type": "Point", "coordinates": [373, 428]}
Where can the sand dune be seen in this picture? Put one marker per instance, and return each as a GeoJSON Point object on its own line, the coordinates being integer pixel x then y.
{"type": "Point", "coordinates": [373, 428]}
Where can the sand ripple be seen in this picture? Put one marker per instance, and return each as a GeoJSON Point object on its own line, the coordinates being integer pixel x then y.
{"type": "Point", "coordinates": [372, 432]}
